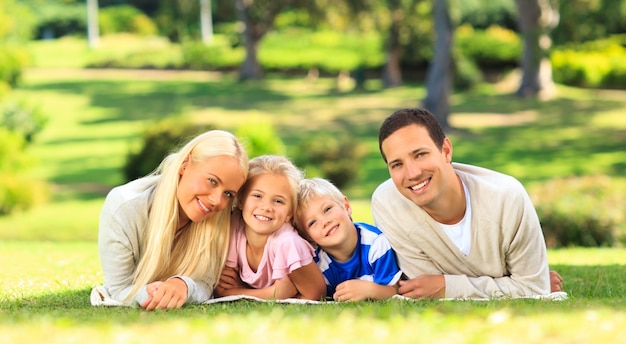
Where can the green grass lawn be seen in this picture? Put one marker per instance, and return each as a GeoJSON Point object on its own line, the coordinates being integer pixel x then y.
{"type": "Point", "coordinates": [44, 297]}
{"type": "Point", "coordinates": [49, 253]}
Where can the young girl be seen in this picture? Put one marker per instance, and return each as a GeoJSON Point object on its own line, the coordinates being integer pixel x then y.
{"type": "Point", "coordinates": [267, 258]}
{"type": "Point", "coordinates": [163, 238]}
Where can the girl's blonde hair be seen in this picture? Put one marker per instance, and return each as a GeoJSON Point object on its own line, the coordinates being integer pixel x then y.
{"type": "Point", "coordinates": [312, 188]}
{"type": "Point", "coordinates": [199, 251]}
{"type": "Point", "coordinates": [276, 165]}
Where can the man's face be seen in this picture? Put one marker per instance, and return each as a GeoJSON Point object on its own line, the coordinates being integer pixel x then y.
{"type": "Point", "coordinates": [416, 166]}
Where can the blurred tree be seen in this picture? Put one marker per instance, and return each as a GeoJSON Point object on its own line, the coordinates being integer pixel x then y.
{"type": "Point", "coordinates": [93, 36]}
{"type": "Point", "coordinates": [406, 24]}
{"type": "Point", "coordinates": [536, 19]}
{"type": "Point", "coordinates": [439, 78]}
{"type": "Point", "coordinates": [206, 22]}
{"type": "Point", "coordinates": [257, 17]}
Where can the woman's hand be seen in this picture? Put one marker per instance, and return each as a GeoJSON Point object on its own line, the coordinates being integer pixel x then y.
{"type": "Point", "coordinates": [169, 294]}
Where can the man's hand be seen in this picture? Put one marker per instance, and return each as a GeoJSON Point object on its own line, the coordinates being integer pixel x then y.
{"type": "Point", "coordinates": [423, 287]}
{"type": "Point", "coordinates": [169, 294]}
{"type": "Point", "coordinates": [556, 282]}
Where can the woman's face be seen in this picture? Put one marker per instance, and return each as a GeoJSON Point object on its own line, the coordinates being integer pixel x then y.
{"type": "Point", "coordinates": [206, 187]}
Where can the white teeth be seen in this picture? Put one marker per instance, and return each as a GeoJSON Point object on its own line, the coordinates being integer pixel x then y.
{"type": "Point", "coordinates": [262, 218]}
{"type": "Point", "coordinates": [419, 186]}
{"type": "Point", "coordinates": [203, 206]}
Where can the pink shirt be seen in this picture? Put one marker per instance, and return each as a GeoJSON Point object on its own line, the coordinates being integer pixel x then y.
{"type": "Point", "coordinates": [285, 251]}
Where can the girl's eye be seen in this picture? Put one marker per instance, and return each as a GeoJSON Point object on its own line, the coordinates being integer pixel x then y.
{"type": "Point", "coordinates": [310, 224]}
{"type": "Point", "coordinates": [327, 209]}
{"type": "Point", "coordinates": [280, 201]}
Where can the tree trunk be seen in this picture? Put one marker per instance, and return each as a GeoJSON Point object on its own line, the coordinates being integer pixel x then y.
{"type": "Point", "coordinates": [392, 71]}
{"type": "Point", "coordinates": [439, 78]}
{"type": "Point", "coordinates": [251, 68]}
{"type": "Point", "coordinates": [93, 33]}
{"type": "Point", "coordinates": [206, 22]}
{"type": "Point", "coordinates": [536, 18]}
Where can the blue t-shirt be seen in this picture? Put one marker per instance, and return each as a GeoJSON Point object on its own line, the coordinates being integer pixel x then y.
{"type": "Point", "coordinates": [373, 260]}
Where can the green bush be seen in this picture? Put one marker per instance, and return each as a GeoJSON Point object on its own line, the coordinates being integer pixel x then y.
{"type": "Point", "coordinates": [12, 61]}
{"type": "Point", "coordinates": [466, 74]}
{"type": "Point", "coordinates": [158, 141]}
{"type": "Point", "coordinates": [582, 211]}
{"type": "Point", "coordinates": [219, 55]}
{"type": "Point", "coordinates": [56, 19]}
{"type": "Point", "coordinates": [125, 18]}
{"type": "Point", "coordinates": [17, 21]}
{"type": "Point", "coordinates": [493, 48]}
{"type": "Point", "coordinates": [327, 50]}
{"type": "Point", "coordinates": [22, 119]}
{"type": "Point", "coordinates": [596, 64]}
{"type": "Point", "coordinates": [336, 157]}
{"type": "Point", "coordinates": [18, 190]}
{"type": "Point", "coordinates": [260, 138]}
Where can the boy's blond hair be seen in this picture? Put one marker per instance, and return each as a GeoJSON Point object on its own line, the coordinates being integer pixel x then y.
{"type": "Point", "coordinates": [312, 188]}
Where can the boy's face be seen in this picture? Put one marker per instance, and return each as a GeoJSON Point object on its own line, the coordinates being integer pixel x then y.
{"type": "Point", "coordinates": [328, 223]}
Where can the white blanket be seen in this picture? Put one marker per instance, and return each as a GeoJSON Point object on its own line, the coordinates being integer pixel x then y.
{"type": "Point", "coordinates": [100, 297]}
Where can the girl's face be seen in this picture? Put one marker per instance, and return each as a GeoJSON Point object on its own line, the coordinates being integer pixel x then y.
{"type": "Point", "coordinates": [267, 204]}
{"type": "Point", "coordinates": [206, 187]}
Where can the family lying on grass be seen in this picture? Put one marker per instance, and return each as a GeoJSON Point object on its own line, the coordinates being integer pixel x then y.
{"type": "Point", "coordinates": [209, 223]}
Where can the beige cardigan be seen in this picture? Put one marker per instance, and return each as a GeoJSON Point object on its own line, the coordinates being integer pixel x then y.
{"type": "Point", "coordinates": [507, 255]}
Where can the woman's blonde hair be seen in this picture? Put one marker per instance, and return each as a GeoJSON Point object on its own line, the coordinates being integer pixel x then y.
{"type": "Point", "coordinates": [199, 251]}
{"type": "Point", "coordinates": [312, 188]}
{"type": "Point", "coordinates": [276, 165]}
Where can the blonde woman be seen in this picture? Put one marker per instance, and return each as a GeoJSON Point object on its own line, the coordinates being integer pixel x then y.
{"type": "Point", "coordinates": [163, 238]}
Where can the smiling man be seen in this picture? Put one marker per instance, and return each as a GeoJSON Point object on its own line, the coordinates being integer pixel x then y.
{"type": "Point", "coordinates": [459, 231]}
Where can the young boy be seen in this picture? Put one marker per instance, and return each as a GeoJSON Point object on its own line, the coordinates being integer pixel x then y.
{"type": "Point", "coordinates": [355, 258]}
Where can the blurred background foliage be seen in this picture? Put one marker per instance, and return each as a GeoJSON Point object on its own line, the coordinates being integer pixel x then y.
{"type": "Point", "coordinates": [315, 38]}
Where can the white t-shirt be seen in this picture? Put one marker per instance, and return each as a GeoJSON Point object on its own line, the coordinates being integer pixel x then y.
{"type": "Point", "coordinates": [461, 232]}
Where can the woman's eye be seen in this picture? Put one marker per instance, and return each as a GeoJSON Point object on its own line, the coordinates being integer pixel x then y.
{"type": "Point", "coordinates": [212, 181]}
{"type": "Point", "coordinates": [229, 194]}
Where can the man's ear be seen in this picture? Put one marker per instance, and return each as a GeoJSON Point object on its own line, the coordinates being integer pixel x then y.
{"type": "Point", "coordinates": [446, 148]}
